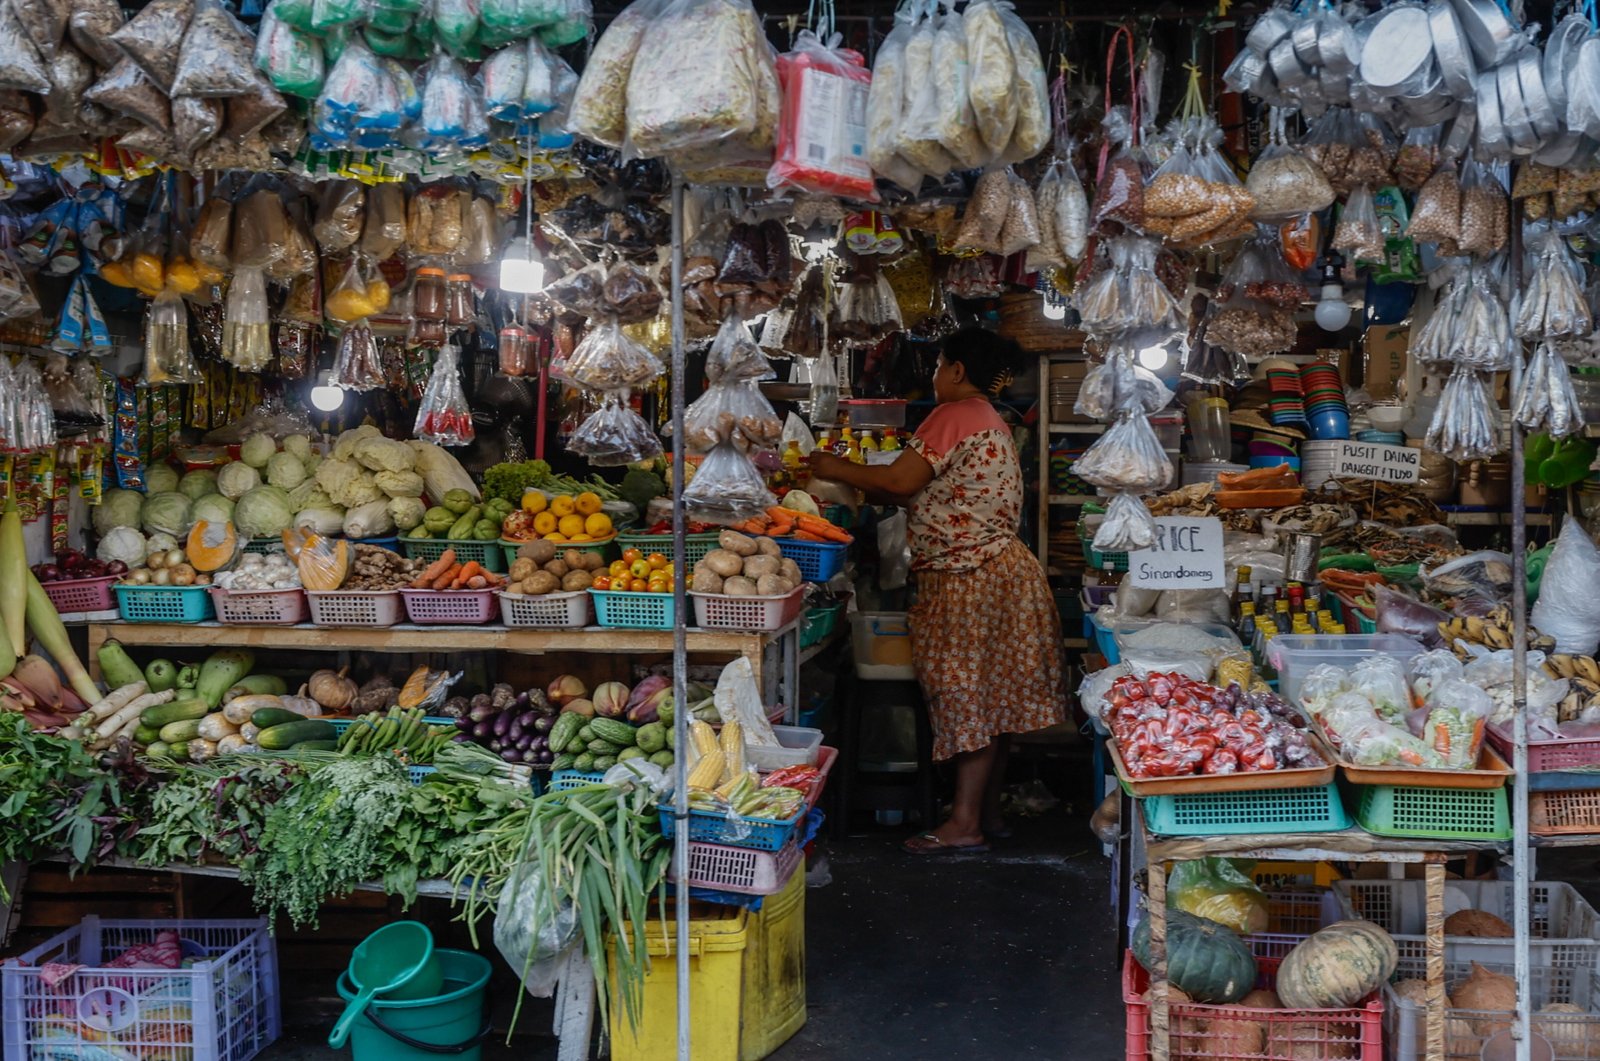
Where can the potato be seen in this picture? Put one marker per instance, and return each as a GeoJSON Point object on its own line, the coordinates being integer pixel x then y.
{"type": "Point", "coordinates": [539, 552]}
{"type": "Point", "coordinates": [577, 580]}
{"type": "Point", "coordinates": [790, 570]}
{"type": "Point", "coordinates": [756, 566]}
{"type": "Point", "coordinates": [593, 561]}
{"type": "Point", "coordinates": [539, 583]}
{"type": "Point", "coordinates": [773, 586]}
{"type": "Point", "coordinates": [724, 562]}
{"type": "Point", "coordinates": [768, 546]}
{"type": "Point", "coordinates": [706, 580]}
{"type": "Point", "coordinates": [735, 542]}
{"type": "Point", "coordinates": [558, 568]}
{"type": "Point", "coordinates": [521, 568]}
{"type": "Point", "coordinates": [738, 586]}
{"type": "Point", "coordinates": [574, 559]}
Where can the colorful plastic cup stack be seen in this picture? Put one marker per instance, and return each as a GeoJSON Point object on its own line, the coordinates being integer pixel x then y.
{"type": "Point", "coordinates": [1326, 411]}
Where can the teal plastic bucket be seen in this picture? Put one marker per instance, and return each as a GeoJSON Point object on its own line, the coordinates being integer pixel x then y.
{"type": "Point", "coordinates": [453, 1023]}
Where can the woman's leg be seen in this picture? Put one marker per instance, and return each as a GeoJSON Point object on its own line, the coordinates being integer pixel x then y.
{"type": "Point", "coordinates": [993, 821]}
{"type": "Point", "coordinates": [964, 827]}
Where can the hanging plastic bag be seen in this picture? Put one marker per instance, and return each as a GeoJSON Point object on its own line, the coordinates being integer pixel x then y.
{"type": "Point", "coordinates": [1119, 194]}
{"type": "Point", "coordinates": [209, 238]}
{"type": "Point", "coordinates": [357, 365]}
{"type": "Point", "coordinates": [357, 296]}
{"type": "Point", "coordinates": [292, 60]}
{"type": "Point", "coordinates": [600, 106]}
{"type": "Point", "coordinates": [1436, 218]}
{"type": "Point", "coordinates": [443, 415]}
{"type": "Point", "coordinates": [614, 434]}
{"type": "Point", "coordinates": [446, 99]}
{"type": "Point", "coordinates": [1218, 890]}
{"type": "Point", "coordinates": [21, 66]}
{"type": "Point", "coordinates": [821, 141]}
{"type": "Point", "coordinates": [568, 22]}
{"type": "Point", "coordinates": [532, 933]}
{"type": "Point", "coordinates": [607, 360]}
{"type": "Point", "coordinates": [154, 39]}
{"type": "Point", "coordinates": [195, 122]}
{"type": "Point", "coordinates": [330, 15]}
{"type": "Point", "coordinates": [1022, 228]}
{"type": "Point", "coordinates": [216, 56]}
{"type": "Point", "coordinates": [360, 94]}
{"type": "Point", "coordinates": [1465, 423]}
{"type": "Point", "coordinates": [1568, 608]}
{"type": "Point", "coordinates": [1283, 182]}
{"type": "Point", "coordinates": [1032, 132]}
{"type": "Point", "coordinates": [1358, 234]}
{"type": "Point", "coordinates": [555, 125]}
{"type": "Point", "coordinates": [166, 343]}
{"type": "Point", "coordinates": [339, 213]}
{"type": "Point", "coordinates": [249, 115]}
{"type": "Point", "coordinates": [727, 488]}
{"type": "Point", "coordinates": [733, 411]}
{"type": "Point", "coordinates": [957, 125]}
{"type": "Point", "coordinates": [917, 139]}
{"type": "Point", "coordinates": [991, 75]}
{"type": "Point", "coordinates": [1553, 305]}
{"type": "Point", "coordinates": [1127, 457]}
{"type": "Point", "coordinates": [512, 19]}
{"type": "Point", "coordinates": [1546, 400]}
{"type": "Point", "coordinates": [126, 90]}
{"type": "Point", "coordinates": [260, 229]}
{"type": "Point", "coordinates": [824, 395]}
{"type": "Point", "coordinates": [985, 216]}
{"type": "Point", "coordinates": [299, 251]}
{"type": "Point", "coordinates": [1128, 525]}
{"type": "Point", "coordinates": [246, 323]}
{"type": "Point", "coordinates": [505, 74]}
{"type": "Point", "coordinates": [1485, 211]}
{"type": "Point", "coordinates": [383, 232]}
{"type": "Point", "coordinates": [456, 24]}
{"type": "Point", "coordinates": [734, 354]}
{"type": "Point", "coordinates": [885, 98]}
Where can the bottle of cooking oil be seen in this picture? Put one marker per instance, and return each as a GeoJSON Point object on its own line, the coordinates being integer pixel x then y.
{"type": "Point", "coordinates": [868, 443]}
{"type": "Point", "coordinates": [891, 440]}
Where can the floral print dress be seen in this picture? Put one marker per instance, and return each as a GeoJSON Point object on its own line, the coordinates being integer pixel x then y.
{"type": "Point", "coordinates": [985, 635]}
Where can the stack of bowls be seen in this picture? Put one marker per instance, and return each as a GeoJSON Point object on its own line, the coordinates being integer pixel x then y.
{"type": "Point", "coordinates": [1286, 405]}
{"type": "Point", "coordinates": [1317, 462]}
{"type": "Point", "coordinates": [1326, 410]}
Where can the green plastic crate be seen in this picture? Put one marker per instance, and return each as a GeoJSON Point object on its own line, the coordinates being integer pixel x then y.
{"type": "Point", "coordinates": [1434, 813]}
{"type": "Point", "coordinates": [819, 624]}
{"type": "Point", "coordinates": [1315, 809]}
{"type": "Point", "coordinates": [696, 545]}
{"type": "Point", "coordinates": [606, 550]}
{"type": "Point", "coordinates": [490, 555]}
{"type": "Point", "coordinates": [1092, 556]}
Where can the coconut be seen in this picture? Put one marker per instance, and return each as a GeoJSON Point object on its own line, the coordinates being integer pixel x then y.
{"type": "Point", "coordinates": [1477, 923]}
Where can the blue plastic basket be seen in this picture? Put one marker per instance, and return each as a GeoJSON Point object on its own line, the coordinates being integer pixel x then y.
{"type": "Point", "coordinates": [764, 834]}
{"type": "Point", "coordinates": [818, 561]}
{"type": "Point", "coordinates": [1315, 809]}
{"type": "Point", "coordinates": [165, 604]}
{"type": "Point", "coordinates": [633, 611]}
{"type": "Point", "coordinates": [561, 780]}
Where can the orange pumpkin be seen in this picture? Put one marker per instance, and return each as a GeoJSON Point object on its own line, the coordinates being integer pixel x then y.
{"type": "Point", "coordinates": [323, 564]}
{"type": "Point", "coordinates": [212, 546]}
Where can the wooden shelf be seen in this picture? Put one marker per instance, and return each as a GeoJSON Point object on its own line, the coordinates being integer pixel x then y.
{"type": "Point", "coordinates": [1076, 429]}
{"type": "Point", "coordinates": [1074, 499]}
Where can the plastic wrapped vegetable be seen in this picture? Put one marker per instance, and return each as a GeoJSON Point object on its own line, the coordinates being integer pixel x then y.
{"type": "Point", "coordinates": [614, 434]}
{"type": "Point", "coordinates": [443, 415]}
{"type": "Point", "coordinates": [1216, 889]}
{"type": "Point", "coordinates": [821, 141]}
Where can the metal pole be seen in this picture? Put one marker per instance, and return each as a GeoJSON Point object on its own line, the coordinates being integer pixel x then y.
{"type": "Point", "coordinates": [1519, 684]}
{"type": "Point", "coordinates": [680, 633]}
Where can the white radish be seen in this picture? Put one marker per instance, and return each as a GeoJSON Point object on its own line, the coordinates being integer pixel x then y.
{"type": "Point", "coordinates": [231, 743]}
{"type": "Point", "coordinates": [215, 727]}
{"type": "Point", "coordinates": [132, 710]}
{"type": "Point", "coordinates": [117, 699]}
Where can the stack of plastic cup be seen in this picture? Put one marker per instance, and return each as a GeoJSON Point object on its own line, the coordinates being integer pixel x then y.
{"type": "Point", "coordinates": [1326, 411]}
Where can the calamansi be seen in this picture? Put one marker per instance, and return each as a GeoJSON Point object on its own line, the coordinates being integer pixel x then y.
{"type": "Point", "coordinates": [588, 503]}
{"type": "Point", "coordinates": [562, 505]}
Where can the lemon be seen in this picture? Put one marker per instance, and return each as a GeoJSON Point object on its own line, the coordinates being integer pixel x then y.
{"type": "Point", "coordinates": [545, 523]}
{"type": "Point", "coordinates": [535, 502]}
{"type": "Point", "coordinates": [598, 524]}
{"type": "Point", "coordinates": [561, 505]}
{"type": "Point", "coordinates": [570, 525]}
{"type": "Point", "coordinates": [557, 538]}
{"type": "Point", "coordinates": [588, 503]}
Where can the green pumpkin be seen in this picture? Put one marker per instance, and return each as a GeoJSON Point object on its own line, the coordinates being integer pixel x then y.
{"type": "Point", "coordinates": [1205, 960]}
{"type": "Point", "coordinates": [1337, 966]}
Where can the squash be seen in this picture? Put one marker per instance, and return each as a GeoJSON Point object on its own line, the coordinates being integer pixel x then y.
{"type": "Point", "coordinates": [1313, 1041]}
{"type": "Point", "coordinates": [323, 563]}
{"type": "Point", "coordinates": [212, 546]}
{"type": "Point", "coordinates": [1208, 961]}
{"type": "Point", "coordinates": [1337, 966]}
{"type": "Point", "coordinates": [1479, 924]}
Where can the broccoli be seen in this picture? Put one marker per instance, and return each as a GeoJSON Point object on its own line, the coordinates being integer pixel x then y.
{"type": "Point", "coordinates": [639, 487]}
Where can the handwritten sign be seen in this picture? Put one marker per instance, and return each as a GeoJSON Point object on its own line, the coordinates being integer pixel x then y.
{"type": "Point", "coordinates": [1374, 460]}
{"type": "Point", "coordinates": [1187, 555]}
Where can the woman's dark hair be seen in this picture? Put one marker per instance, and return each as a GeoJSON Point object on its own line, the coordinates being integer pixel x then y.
{"type": "Point", "coordinates": [990, 360]}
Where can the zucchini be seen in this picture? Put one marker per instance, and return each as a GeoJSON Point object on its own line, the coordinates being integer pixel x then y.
{"type": "Point", "coordinates": [267, 717]}
{"type": "Point", "coordinates": [563, 762]}
{"type": "Point", "coordinates": [565, 730]}
{"type": "Point", "coordinates": [289, 734]}
{"type": "Point", "coordinates": [599, 747]}
{"type": "Point", "coordinates": [609, 729]}
{"type": "Point", "coordinates": [173, 711]}
{"type": "Point", "coordinates": [181, 732]}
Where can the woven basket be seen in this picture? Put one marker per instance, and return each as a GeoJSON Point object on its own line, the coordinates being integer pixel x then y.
{"type": "Point", "coordinates": [1022, 319]}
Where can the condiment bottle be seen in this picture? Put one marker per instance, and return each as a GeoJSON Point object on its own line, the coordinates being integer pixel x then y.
{"type": "Point", "coordinates": [891, 441]}
{"type": "Point", "coordinates": [459, 308]}
{"type": "Point", "coordinates": [1109, 575]}
{"type": "Point", "coordinates": [427, 295]}
{"type": "Point", "coordinates": [868, 443]}
{"type": "Point", "coordinates": [514, 352]}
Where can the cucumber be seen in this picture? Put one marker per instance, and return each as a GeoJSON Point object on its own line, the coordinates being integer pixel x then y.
{"type": "Point", "coordinates": [158, 749]}
{"type": "Point", "coordinates": [316, 746]}
{"type": "Point", "coordinates": [563, 762]}
{"type": "Point", "coordinates": [173, 711]}
{"type": "Point", "coordinates": [181, 731]}
{"type": "Point", "coordinates": [600, 747]}
{"type": "Point", "coordinates": [290, 734]}
{"type": "Point", "coordinates": [179, 751]}
{"type": "Point", "coordinates": [146, 734]}
{"type": "Point", "coordinates": [619, 733]}
{"type": "Point", "coordinates": [267, 717]}
{"type": "Point", "coordinates": [583, 763]}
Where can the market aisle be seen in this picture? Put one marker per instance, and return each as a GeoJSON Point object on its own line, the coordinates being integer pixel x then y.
{"type": "Point", "coordinates": [924, 959]}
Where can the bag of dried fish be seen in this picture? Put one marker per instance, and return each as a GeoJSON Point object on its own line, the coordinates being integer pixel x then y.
{"type": "Point", "coordinates": [1119, 195]}
{"type": "Point", "coordinates": [1358, 234]}
{"type": "Point", "coordinates": [1127, 457]}
{"type": "Point", "coordinates": [1128, 525]}
{"type": "Point", "coordinates": [1283, 182]}
{"type": "Point", "coordinates": [1124, 294]}
{"type": "Point", "coordinates": [1465, 422]}
{"type": "Point", "coordinates": [1546, 400]}
{"type": "Point", "coordinates": [614, 434]}
{"type": "Point", "coordinates": [1481, 338]}
{"type": "Point", "coordinates": [607, 360]}
{"type": "Point", "coordinates": [1553, 304]}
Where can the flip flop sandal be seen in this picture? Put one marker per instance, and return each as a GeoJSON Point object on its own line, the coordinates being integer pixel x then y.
{"type": "Point", "coordinates": [936, 846]}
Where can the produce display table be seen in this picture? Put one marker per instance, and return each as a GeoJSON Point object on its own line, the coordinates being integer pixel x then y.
{"type": "Point", "coordinates": [1349, 845]}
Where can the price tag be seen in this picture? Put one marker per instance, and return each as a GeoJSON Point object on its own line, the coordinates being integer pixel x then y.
{"type": "Point", "coordinates": [1374, 460]}
{"type": "Point", "coordinates": [1187, 555]}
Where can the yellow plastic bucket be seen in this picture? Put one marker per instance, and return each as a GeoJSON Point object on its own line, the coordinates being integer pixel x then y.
{"type": "Point", "coordinates": [718, 936]}
{"type": "Point", "coordinates": [774, 1004]}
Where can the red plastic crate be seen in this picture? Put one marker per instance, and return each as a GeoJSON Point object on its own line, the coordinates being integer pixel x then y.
{"type": "Point", "coordinates": [82, 595]}
{"type": "Point", "coordinates": [269, 607]}
{"type": "Point", "coordinates": [1354, 1033]}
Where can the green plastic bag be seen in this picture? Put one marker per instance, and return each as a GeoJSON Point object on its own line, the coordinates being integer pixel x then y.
{"type": "Point", "coordinates": [292, 60]}
{"type": "Point", "coordinates": [295, 13]}
{"type": "Point", "coordinates": [456, 23]}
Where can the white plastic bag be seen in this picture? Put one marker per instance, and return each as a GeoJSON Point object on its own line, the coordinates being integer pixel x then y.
{"type": "Point", "coordinates": [1569, 594]}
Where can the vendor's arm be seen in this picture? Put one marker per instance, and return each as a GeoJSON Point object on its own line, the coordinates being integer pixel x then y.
{"type": "Point", "coordinates": [895, 483]}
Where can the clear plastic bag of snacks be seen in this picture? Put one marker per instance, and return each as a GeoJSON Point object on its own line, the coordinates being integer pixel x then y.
{"type": "Point", "coordinates": [216, 58]}
{"type": "Point", "coordinates": [734, 354]}
{"type": "Point", "coordinates": [357, 365]}
{"type": "Point", "coordinates": [247, 323]}
{"type": "Point", "coordinates": [384, 231]}
{"type": "Point", "coordinates": [991, 74]}
{"type": "Point", "coordinates": [736, 411]}
{"type": "Point", "coordinates": [1124, 293]}
{"type": "Point", "coordinates": [600, 105]}
{"type": "Point", "coordinates": [443, 415]}
{"type": "Point", "coordinates": [1119, 195]}
{"type": "Point", "coordinates": [614, 434]}
{"type": "Point", "coordinates": [917, 137]}
{"type": "Point", "coordinates": [1127, 457]}
{"type": "Point", "coordinates": [606, 359]}
{"type": "Point", "coordinates": [1418, 156]}
{"type": "Point", "coordinates": [339, 213]}
{"type": "Point", "coordinates": [1358, 235]}
{"type": "Point", "coordinates": [1436, 218]}
{"type": "Point", "coordinates": [886, 110]}
{"type": "Point", "coordinates": [1128, 525]}
{"type": "Point", "coordinates": [1256, 303]}
{"type": "Point", "coordinates": [1485, 211]}
{"type": "Point", "coordinates": [1283, 182]}
{"type": "Point", "coordinates": [292, 60]}
{"type": "Point", "coordinates": [727, 488]}
{"type": "Point", "coordinates": [452, 112]}
{"type": "Point", "coordinates": [360, 293]}
{"type": "Point", "coordinates": [154, 39]}
{"type": "Point", "coordinates": [1032, 131]}
{"type": "Point", "coordinates": [825, 90]}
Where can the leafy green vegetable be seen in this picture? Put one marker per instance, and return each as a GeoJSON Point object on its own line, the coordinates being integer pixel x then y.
{"type": "Point", "coordinates": [639, 487]}
{"type": "Point", "coordinates": [510, 481]}
{"type": "Point", "coordinates": [51, 794]}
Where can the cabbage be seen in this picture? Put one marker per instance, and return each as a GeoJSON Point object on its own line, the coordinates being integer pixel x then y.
{"type": "Point", "coordinates": [309, 495]}
{"type": "Point", "coordinates": [198, 483]}
{"type": "Point", "coordinates": [344, 447]}
{"type": "Point", "coordinates": [160, 543]}
{"type": "Point", "coordinates": [399, 484]}
{"type": "Point", "coordinates": [384, 455]}
{"type": "Point", "coordinates": [213, 508]}
{"type": "Point", "coordinates": [321, 520]}
{"type": "Point", "coordinates": [117, 508]}
{"type": "Point", "coordinates": [166, 513]}
{"type": "Point", "coordinates": [370, 520]}
{"type": "Point", "coordinates": [160, 479]}
{"type": "Point", "coordinates": [312, 463]}
{"type": "Point", "coordinates": [285, 471]}
{"type": "Point", "coordinates": [257, 450]}
{"type": "Point", "coordinates": [122, 543]}
{"type": "Point", "coordinates": [299, 445]}
{"type": "Point", "coordinates": [237, 479]}
{"type": "Point", "coordinates": [262, 513]}
{"type": "Point", "coordinates": [406, 512]}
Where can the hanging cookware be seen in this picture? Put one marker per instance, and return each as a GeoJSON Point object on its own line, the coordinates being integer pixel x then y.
{"type": "Point", "coordinates": [1450, 50]}
{"type": "Point", "coordinates": [1541, 112]}
{"type": "Point", "coordinates": [1399, 48]}
{"type": "Point", "coordinates": [1487, 28]}
{"type": "Point", "coordinates": [1560, 56]}
{"type": "Point", "coordinates": [1273, 26]}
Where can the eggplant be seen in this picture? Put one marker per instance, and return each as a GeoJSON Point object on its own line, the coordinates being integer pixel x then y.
{"type": "Point", "coordinates": [515, 732]}
{"type": "Point", "coordinates": [540, 741]}
{"type": "Point", "coordinates": [525, 742]}
{"type": "Point", "coordinates": [527, 718]}
{"type": "Point", "coordinates": [521, 702]}
{"type": "Point", "coordinates": [502, 723]}
{"type": "Point", "coordinates": [495, 745]}
{"type": "Point", "coordinates": [464, 723]}
{"type": "Point", "coordinates": [461, 738]}
{"type": "Point", "coordinates": [544, 723]}
{"type": "Point", "coordinates": [547, 756]}
{"type": "Point", "coordinates": [481, 712]}
{"type": "Point", "coordinates": [511, 755]}
{"type": "Point", "coordinates": [483, 730]}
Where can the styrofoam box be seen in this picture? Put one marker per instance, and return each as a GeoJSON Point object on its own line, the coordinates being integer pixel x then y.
{"type": "Point", "coordinates": [1295, 654]}
{"type": "Point", "coordinates": [1562, 926]}
{"type": "Point", "coordinates": [798, 746]}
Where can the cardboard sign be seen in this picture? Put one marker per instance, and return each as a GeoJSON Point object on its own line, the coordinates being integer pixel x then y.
{"type": "Point", "coordinates": [1374, 460]}
{"type": "Point", "coordinates": [1187, 555]}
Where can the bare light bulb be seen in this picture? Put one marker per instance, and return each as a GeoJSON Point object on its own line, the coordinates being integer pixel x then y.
{"type": "Point", "coordinates": [1333, 312]}
{"type": "Point", "coordinates": [1153, 358]}
{"type": "Point", "coordinates": [520, 272]}
{"type": "Point", "coordinates": [1054, 311]}
{"type": "Point", "coordinates": [327, 395]}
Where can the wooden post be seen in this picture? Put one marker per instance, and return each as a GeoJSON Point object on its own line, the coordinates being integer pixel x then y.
{"type": "Point", "coordinates": [1156, 911]}
{"type": "Point", "coordinates": [1435, 948]}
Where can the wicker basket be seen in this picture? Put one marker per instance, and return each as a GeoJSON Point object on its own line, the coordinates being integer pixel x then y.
{"type": "Point", "coordinates": [1022, 319]}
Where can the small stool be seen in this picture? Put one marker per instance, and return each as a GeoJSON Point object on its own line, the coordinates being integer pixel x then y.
{"type": "Point", "coordinates": [857, 696]}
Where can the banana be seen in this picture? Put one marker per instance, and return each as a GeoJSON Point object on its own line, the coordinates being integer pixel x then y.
{"type": "Point", "coordinates": [1496, 637]}
{"type": "Point", "coordinates": [1589, 668]}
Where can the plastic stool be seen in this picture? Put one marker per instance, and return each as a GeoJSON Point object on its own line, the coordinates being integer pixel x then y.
{"type": "Point", "coordinates": [857, 696]}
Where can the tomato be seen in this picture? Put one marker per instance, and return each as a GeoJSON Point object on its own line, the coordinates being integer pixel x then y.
{"type": "Point", "coordinates": [638, 585]}
{"type": "Point", "coordinates": [602, 582]}
{"type": "Point", "coordinates": [630, 555]}
{"type": "Point", "coordinates": [656, 560]}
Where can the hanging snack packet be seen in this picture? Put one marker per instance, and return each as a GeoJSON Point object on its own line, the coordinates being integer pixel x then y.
{"type": "Point", "coordinates": [216, 56]}
{"type": "Point", "coordinates": [91, 25]}
{"type": "Point", "coordinates": [339, 213]}
{"type": "Point", "coordinates": [126, 90]}
{"type": "Point", "coordinates": [1283, 182]}
{"type": "Point", "coordinates": [505, 75]}
{"type": "Point", "coordinates": [247, 115]}
{"type": "Point", "coordinates": [1119, 195]}
{"type": "Point", "coordinates": [1358, 234]}
{"type": "Point", "coordinates": [1437, 215]}
{"type": "Point", "coordinates": [599, 108]}
{"type": "Point", "coordinates": [956, 124]}
{"type": "Point", "coordinates": [885, 99]}
{"type": "Point", "coordinates": [917, 138]}
{"type": "Point", "coordinates": [260, 229]}
{"type": "Point", "coordinates": [448, 106]}
{"type": "Point", "coordinates": [821, 139]}
{"type": "Point", "coordinates": [167, 359]}
{"type": "Point", "coordinates": [246, 323]}
{"type": "Point", "coordinates": [291, 60]}
{"type": "Point", "coordinates": [21, 66]}
{"type": "Point", "coordinates": [44, 22]}
{"type": "Point", "coordinates": [1033, 130]}
{"type": "Point", "coordinates": [195, 122]}
{"type": "Point", "coordinates": [1127, 457]}
{"type": "Point", "coordinates": [154, 39]}
{"type": "Point", "coordinates": [991, 75]}
{"type": "Point", "coordinates": [607, 360]}
{"type": "Point", "coordinates": [614, 435]}
{"type": "Point", "coordinates": [727, 488]}
{"type": "Point", "coordinates": [360, 94]}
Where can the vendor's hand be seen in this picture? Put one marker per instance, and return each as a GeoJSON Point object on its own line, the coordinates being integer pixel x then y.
{"type": "Point", "coordinates": [826, 465]}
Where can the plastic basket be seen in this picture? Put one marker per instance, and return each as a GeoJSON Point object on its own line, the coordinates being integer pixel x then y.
{"type": "Point", "coordinates": [1571, 813]}
{"type": "Point", "coordinates": [762, 834]}
{"type": "Point", "coordinates": [1466, 1030]}
{"type": "Point", "coordinates": [264, 545]}
{"type": "Point", "coordinates": [1561, 926]}
{"type": "Point", "coordinates": [1434, 813]}
{"type": "Point", "coordinates": [551, 611]}
{"type": "Point", "coordinates": [633, 611]}
{"type": "Point", "coordinates": [817, 561]}
{"type": "Point", "coordinates": [1293, 655]}
{"type": "Point", "coordinates": [1092, 556]}
{"type": "Point", "coordinates": [355, 607]}
{"type": "Point", "coordinates": [222, 1007]}
{"type": "Point", "coordinates": [82, 594]}
{"type": "Point", "coordinates": [695, 546]}
{"type": "Point", "coordinates": [715, 611]}
{"type": "Point", "coordinates": [1354, 1032]}
{"type": "Point", "coordinates": [427, 607]}
{"type": "Point", "coordinates": [820, 623]}
{"type": "Point", "coordinates": [1315, 809]}
{"type": "Point", "coordinates": [164, 604]}
{"type": "Point", "coordinates": [1546, 756]}
{"type": "Point", "coordinates": [740, 869]}
{"type": "Point", "coordinates": [561, 780]}
{"type": "Point", "coordinates": [797, 746]}
{"type": "Point", "coordinates": [605, 550]}
{"type": "Point", "coordinates": [882, 644]}
{"type": "Point", "coordinates": [491, 555]}
{"type": "Point", "coordinates": [269, 607]}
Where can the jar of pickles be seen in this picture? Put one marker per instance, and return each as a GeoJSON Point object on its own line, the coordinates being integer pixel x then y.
{"type": "Point", "coordinates": [459, 308]}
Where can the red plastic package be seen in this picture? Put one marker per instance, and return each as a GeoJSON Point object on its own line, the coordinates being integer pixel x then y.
{"type": "Point", "coordinates": [822, 133]}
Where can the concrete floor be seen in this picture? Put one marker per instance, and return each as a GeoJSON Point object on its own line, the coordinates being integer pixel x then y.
{"type": "Point", "coordinates": [1004, 955]}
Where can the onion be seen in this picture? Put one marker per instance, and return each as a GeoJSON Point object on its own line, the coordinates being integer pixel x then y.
{"type": "Point", "coordinates": [161, 577]}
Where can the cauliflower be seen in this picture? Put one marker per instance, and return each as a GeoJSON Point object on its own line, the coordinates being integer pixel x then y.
{"type": "Point", "coordinates": [237, 479]}
{"type": "Point", "coordinates": [370, 520]}
{"type": "Point", "coordinates": [285, 471]}
{"type": "Point", "coordinates": [406, 512]}
{"type": "Point", "coordinates": [299, 445]}
{"type": "Point", "coordinates": [399, 484]}
{"type": "Point", "coordinates": [384, 455]}
{"type": "Point", "coordinates": [344, 447]}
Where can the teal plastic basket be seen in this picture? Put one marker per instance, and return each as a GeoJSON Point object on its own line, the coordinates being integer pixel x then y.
{"type": "Point", "coordinates": [562, 780]}
{"type": "Point", "coordinates": [264, 545]}
{"type": "Point", "coordinates": [1316, 809]}
{"type": "Point", "coordinates": [491, 555]}
{"type": "Point", "coordinates": [696, 546]}
{"type": "Point", "coordinates": [819, 624]}
{"type": "Point", "coordinates": [165, 604]}
{"type": "Point", "coordinates": [606, 550]}
{"type": "Point", "coordinates": [633, 611]}
{"type": "Point", "coordinates": [1434, 813]}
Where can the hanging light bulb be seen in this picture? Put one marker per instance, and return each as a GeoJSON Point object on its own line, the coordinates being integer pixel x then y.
{"type": "Point", "coordinates": [1154, 358]}
{"type": "Point", "coordinates": [1332, 312]}
{"type": "Point", "coordinates": [520, 272]}
{"type": "Point", "coordinates": [327, 395]}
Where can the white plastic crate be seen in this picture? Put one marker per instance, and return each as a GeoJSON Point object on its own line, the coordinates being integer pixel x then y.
{"type": "Point", "coordinates": [742, 869]}
{"type": "Point", "coordinates": [222, 1007]}
{"type": "Point", "coordinates": [551, 611]}
{"type": "Point", "coordinates": [882, 643]}
{"type": "Point", "coordinates": [271, 607]}
{"type": "Point", "coordinates": [797, 746]}
{"type": "Point", "coordinates": [1576, 1035]}
{"type": "Point", "coordinates": [1562, 927]}
{"type": "Point", "coordinates": [355, 607]}
{"type": "Point", "coordinates": [718, 612]}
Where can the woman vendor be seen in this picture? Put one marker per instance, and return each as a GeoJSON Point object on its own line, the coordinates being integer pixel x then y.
{"type": "Point", "coordinates": [985, 636]}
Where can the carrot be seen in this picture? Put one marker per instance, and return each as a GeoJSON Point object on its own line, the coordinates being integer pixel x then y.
{"type": "Point", "coordinates": [472, 567]}
{"type": "Point", "coordinates": [438, 567]}
{"type": "Point", "coordinates": [444, 580]}
{"type": "Point", "coordinates": [807, 536]}
{"type": "Point", "coordinates": [822, 529]}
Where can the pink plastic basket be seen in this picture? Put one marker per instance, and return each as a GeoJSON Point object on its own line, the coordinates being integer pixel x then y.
{"type": "Point", "coordinates": [272, 607]}
{"type": "Point", "coordinates": [551, 611]}
{"type": "Point", "coordinates": [741, 869]}
{"type": "Point", "coordinates": [355, 607]}
{"type": "Point", "coordinates": [437, 606]}
{"type": "Point", "coordinates": [82, 595]}
{"type": "Point", "coordinates": [715, 611]}
{"type": "Point", "coordinates": [1566, 753]}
